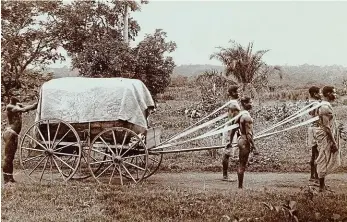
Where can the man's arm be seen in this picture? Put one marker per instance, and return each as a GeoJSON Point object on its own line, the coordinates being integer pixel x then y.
{"type": "Point", "coordinates": [325, 115]}
{"type": "Point", "coordinates": [21, 108]}
{"type": "Point", "coordinates": [313, 113]}
{"type": "Point", "coordinates": [232, 134]}
{"type": "Point", "coordinates": [232, 114]}
{"type": "Point", "coordinates": [248, 126]}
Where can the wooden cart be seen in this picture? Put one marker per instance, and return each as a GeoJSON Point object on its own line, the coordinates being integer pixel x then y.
{"type": "Point", "coordinates": [71, 141]}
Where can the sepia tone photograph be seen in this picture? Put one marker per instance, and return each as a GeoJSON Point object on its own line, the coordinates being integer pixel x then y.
{"type": "Point", "coordinates": [186, 110]}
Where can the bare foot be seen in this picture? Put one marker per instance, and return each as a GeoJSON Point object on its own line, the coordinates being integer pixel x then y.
{"type": "Point", "coordinates": [8, 179]}
{"type": "Point", "coordinates": [314, 180]}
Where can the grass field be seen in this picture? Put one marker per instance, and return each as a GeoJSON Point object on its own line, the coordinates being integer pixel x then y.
{"type": "Point", "coordinates": [85, 201]}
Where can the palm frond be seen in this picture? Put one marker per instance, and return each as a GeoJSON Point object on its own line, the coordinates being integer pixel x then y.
{"type": "Point", "coordinates": [241, 63]}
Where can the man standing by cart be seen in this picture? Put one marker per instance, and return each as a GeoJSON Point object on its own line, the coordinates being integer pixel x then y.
{"type": "Point", "coordinates": [14, 112]}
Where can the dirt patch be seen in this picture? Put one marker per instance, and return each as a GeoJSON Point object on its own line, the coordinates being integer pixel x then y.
{"type": "Point", "coordinates": [286, 182]}
{"type": "Point", "coordinates": [292, 182]}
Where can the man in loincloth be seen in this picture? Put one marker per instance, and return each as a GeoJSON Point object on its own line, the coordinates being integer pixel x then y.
{"type": "Point", "coordinates": [14, 112]}
{"type": "Point", "coordinates": [245, 141]}
{"type": "Point", "coordinates": [327, 137]}
{"type": "Point", "coordinates": [315, 99]}
{"type": "Point", "coordinates": [233, 109]}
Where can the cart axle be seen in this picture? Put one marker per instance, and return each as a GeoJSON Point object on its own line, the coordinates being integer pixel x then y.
{"type": "Point", "coordinates": [50, 152]}
{"type": "Point", "coordinates": [117, 159]}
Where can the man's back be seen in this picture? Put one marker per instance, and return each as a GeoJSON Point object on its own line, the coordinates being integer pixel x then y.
{"type": "Point", "coordinates": [314, 112]}
{"type": "Point", "coordinates": [246, 123]}
{"type": "Point", "coordinates": [234, 105]}
{"type": "Point", "coordinates": [326, 115]}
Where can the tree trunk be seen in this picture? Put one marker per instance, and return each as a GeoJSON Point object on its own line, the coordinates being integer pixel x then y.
{"type": "Point", "coordinates": [126, 28]}
{"type": "Point", "coordinates": [249, 90]}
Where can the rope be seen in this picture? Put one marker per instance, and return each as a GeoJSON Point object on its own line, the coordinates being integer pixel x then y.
{"type": "Point", "coordinates": [218, 131]}
{"type": "Point", "coordinates": [293, 117]}
{"type": "Point", "coordinates": [229, 121]}
{"type": "Point", "coordinates": [198, 127]}
{"type": "Point", "coordinates": [289, 128]}
{"type": "Point", "coordinates": [215, 111]}
{"type": "Point", "coordinates": [208, 134]}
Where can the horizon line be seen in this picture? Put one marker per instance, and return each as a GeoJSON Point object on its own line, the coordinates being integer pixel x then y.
{"type": "Point", "coordinates": [201, 64]}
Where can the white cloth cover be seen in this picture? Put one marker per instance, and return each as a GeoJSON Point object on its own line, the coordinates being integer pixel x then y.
{"type": "Point", "coordinates": [80, 100]}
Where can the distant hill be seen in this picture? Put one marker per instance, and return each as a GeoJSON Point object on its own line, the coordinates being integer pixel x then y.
{"type": "Point", "coordinates": [310, 74]}
{"type": "Point", "coordinates": [62, 72]}
{"type": "Point", "coordinates": [292, 75]}
{"type": "Point", "coordinates": [194, 70]}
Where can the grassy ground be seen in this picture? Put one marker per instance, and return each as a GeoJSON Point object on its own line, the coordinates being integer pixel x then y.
{"type": "Point", "coordinates": [86, 202]}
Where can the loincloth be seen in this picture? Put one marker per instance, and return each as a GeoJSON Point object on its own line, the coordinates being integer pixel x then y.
{"type": "Point", "coordinates": [327, 161]}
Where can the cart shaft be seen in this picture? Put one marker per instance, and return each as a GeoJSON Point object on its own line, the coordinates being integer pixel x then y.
{"type": "Point", "coordinates": [186, 150]}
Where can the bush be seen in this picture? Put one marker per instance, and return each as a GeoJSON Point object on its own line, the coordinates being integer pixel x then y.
{"type": "Point", "coordinates": [178, 81]}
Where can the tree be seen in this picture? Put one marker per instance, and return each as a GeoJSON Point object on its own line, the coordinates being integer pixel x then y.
{"type": "Point", "coordinates": [152, 66]}
{"type": "Point", "coordinates": [91, 32]}
{"type": "Point", "coordinates": [28, 40]}
{"type": "Point", "coordinates": [246, 67]}
{"type": "Point", "coordinates": [92, 35]}
{"type": "Point", "coordinates": [82, 22]}
{"type": "Point", "coordinates": [104, 58]}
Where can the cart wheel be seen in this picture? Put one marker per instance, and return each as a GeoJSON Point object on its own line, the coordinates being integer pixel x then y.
{"type": "Point", "coordinates": [50, 150]}
{"type": "Point", "coordinates": [117, 154]}
{"type": "Point", "coordinates": [154, 161]}
{"type": "Point", "coordinates": [83, 171]}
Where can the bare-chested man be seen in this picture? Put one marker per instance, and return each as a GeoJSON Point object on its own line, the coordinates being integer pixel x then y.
{"type": "Point", "coordinates": [14, 112]}
{"type": "Point", "coordinates": [327, 137]}
{"type": "Point", "coordinates": [245, 140]}
{"type": "Point", "coordinates": [315, 98]}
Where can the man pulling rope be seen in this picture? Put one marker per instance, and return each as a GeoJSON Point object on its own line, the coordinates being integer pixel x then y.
{"type": "Point", "coordinates": [233, 109]}
{"type": "Point", "coordinates": [315, 98]}
{"type": "Point", "coordinates": [245, 141]}
{"type": "Point", "coordinates": [329, 156]}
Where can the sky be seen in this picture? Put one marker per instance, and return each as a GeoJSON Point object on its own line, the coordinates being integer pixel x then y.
{"type": "Point", "coordinates": [296, 33]}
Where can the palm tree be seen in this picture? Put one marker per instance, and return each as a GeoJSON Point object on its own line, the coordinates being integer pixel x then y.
{"type": "Point", "coordinates": [246, 67]}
